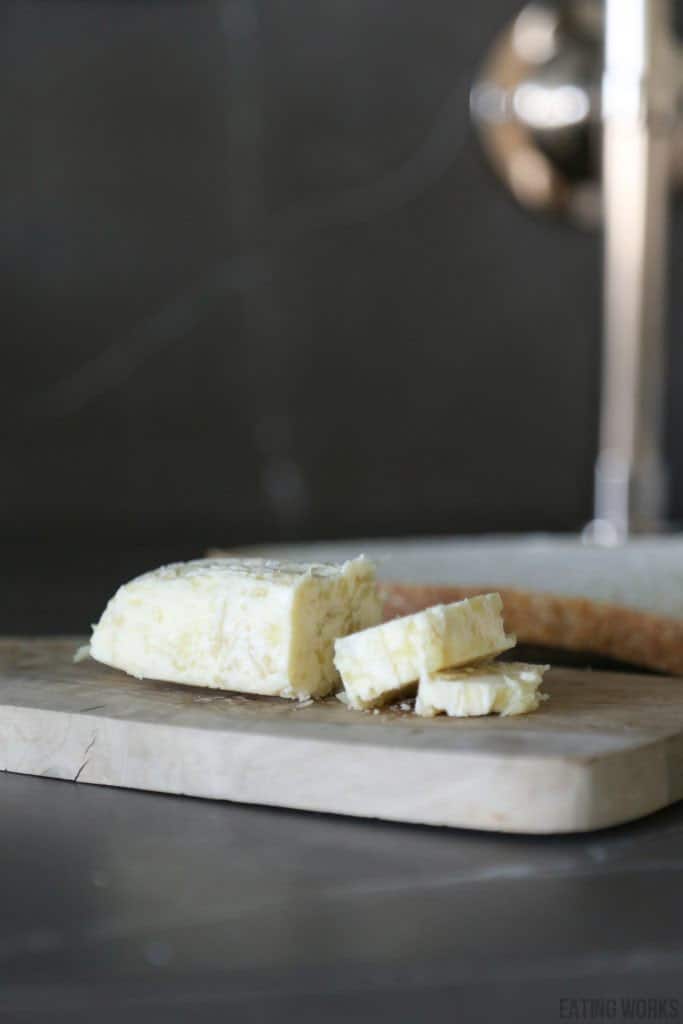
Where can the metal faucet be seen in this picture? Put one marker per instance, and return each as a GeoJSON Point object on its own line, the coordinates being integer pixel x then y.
{"type": "Point", "coordinates": [577, 107]}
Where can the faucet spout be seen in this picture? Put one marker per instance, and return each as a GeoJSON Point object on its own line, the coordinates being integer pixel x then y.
{"type": "Point", "coordinates": [638, 109]}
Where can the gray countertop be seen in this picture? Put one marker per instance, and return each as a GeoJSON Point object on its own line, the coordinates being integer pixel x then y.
{"type": "Point", "coordinates": [130, 905]}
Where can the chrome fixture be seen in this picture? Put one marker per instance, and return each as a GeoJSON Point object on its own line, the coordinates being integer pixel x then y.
{"type": "Point", "coordinates": [577, 106]}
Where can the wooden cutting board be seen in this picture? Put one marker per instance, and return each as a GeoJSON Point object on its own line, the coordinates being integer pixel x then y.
{"type": "Point", "coordinates": [606, 748]}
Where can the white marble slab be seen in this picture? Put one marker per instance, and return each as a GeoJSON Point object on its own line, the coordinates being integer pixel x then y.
{"type": "Point", "coordinates": [606, 748]}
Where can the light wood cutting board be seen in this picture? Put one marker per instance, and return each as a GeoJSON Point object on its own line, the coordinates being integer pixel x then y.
{"type": "Point", "coordinates": [606, 748]}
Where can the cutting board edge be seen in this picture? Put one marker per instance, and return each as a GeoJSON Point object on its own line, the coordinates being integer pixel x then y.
{"type": "Point", "coordinates": [84, 749]}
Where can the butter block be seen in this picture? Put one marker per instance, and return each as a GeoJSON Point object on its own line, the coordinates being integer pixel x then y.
{"type": "Point", "coordinates": [383, 663]}
{"type": "Point", "coordinates": [247, 624]}
{"type": "Point", "coordinates": [507, 688]}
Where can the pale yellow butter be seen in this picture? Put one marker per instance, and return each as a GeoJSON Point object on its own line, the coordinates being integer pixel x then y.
{"type": "Point", "coordinates": [247, 624]}
{"type": "Point", "coordinates": [385, 662]}
{"type": "Point", "coordinates": [507, 688]}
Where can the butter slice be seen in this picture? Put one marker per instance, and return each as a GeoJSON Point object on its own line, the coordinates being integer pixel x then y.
{"type": "Point", "coordinates": [247, 624]}
{"type": "Point", "coordinates": [380, 664]}
{"type": "Point", "coordinates": [508, 688]}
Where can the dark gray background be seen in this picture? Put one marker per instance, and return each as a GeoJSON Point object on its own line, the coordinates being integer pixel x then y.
{"type": "Point", "coordinates": [258, 283]}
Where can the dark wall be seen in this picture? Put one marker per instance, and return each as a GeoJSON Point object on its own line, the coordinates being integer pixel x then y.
{"type": "Point", "coordinates": [258, 281]}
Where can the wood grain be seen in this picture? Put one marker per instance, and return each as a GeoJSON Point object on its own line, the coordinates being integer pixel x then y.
{"type": "Point", "coordinates": [606, 748]}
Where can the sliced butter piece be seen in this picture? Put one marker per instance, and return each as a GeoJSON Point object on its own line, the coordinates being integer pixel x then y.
{"type": "Point", "coordinates": [508, 688]}
{"type": "Point", "coordinates": [385, 662]}
{"type": "Point", "coordinates": [245, 624]}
